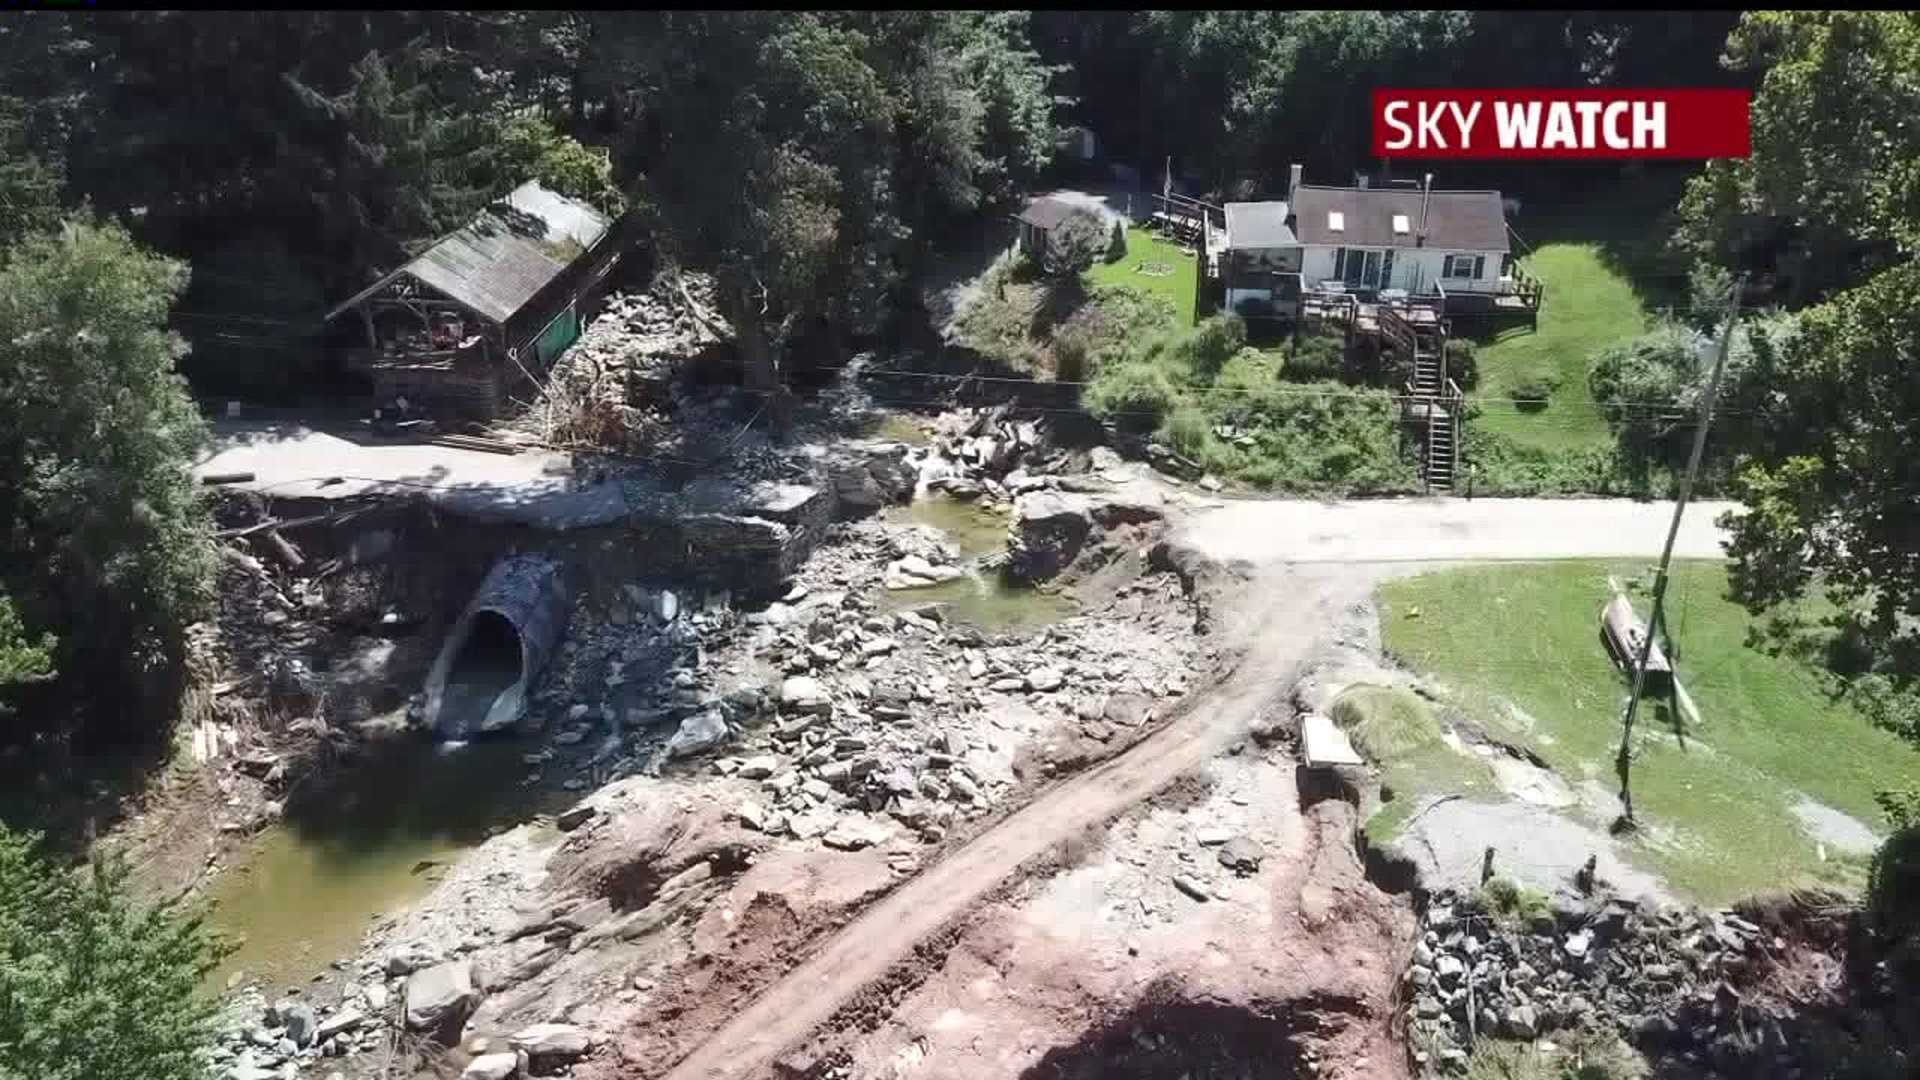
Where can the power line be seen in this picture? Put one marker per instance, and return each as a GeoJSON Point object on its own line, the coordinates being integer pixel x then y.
{"type": "Point", "coordinates": [1351, 393]}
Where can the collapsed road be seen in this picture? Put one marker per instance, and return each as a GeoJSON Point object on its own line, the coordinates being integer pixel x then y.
{"type": "Point", "coordinates": [1273, 618]}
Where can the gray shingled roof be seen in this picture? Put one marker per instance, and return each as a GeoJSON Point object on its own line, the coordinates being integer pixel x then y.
{"type": "Point", "coordinates": [1258, 225]}
{"type": "Point", "coordinates": [510, 251]}
{"type": "Point", "coordinates": [1456, 220]}
{"type": "Point", "coordinates": [1047, 212]}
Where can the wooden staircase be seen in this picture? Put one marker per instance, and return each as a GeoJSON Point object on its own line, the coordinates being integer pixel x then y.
{"type": "Point", "coordinates": [1434, 401]}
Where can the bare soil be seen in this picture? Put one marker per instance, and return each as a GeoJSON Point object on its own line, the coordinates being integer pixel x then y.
{"type": "Point", "coordinates": [1279, 618]}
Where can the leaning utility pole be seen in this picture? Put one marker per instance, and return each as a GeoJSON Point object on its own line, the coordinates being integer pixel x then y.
{"type": "Point", "coordinates": [1624, 762]}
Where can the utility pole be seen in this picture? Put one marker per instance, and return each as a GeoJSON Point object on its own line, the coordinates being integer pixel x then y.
{"type": "Point", "coordinates": [1624, 762]}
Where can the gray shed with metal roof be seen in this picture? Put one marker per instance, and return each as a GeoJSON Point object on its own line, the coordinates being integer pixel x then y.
{"type": "Point", "coordinates": [501, 293]}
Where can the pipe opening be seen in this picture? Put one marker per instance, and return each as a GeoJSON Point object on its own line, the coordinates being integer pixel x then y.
{"type": "Point", "coordinates": [490, 662]}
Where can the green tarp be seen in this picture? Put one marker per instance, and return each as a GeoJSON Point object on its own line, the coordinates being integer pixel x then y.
{"type": "Point", "coordinates": [559, 334]}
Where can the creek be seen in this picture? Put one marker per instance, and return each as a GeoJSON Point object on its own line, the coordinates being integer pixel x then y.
{"type": "Point", "coordinates": [986, 600]}
{"type": "Point", "coordinates": [374, 835]}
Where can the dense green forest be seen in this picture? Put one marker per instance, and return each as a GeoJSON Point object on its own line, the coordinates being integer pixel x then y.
{"type": "Point", "coordinates": [182, 194]}
{"type": "Point", "coordinates": [197, 190]}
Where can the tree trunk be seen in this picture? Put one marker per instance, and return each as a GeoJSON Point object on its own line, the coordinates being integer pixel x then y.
{"type": "Point", "coordinates": [760, 371]}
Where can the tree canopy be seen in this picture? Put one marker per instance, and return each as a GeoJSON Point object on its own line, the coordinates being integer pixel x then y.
{"type": "Point", "coordinates": [1836, 151]}
{"type": "Point", "coordinates": [93, 984]}
{"type": "Point", "coordinates": [104, 540]}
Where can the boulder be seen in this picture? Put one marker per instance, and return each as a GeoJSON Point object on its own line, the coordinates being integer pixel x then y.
{"type": "Point", "coordinates": [855, 832]}
{"type": "Point", "coordinates": [346, 1020]}
{"type": "Point", "coordinates": [575, 817]}
{"type": "Point", "coordinates": [547, 1045]}
{"type": "Point", "coordinates": [698, 733]}
{"type": "Point", "coordinates": [1241, 854]}
{"type": "Point", "coordinates": [300, 1022]}
{"type": "Point", "coordinates": [1048, 531]}
{"type": "Point", "coordinates": [1523, 1022]}
{"type": "Point", "coordinates": [491, 1067]}
{"type": "Point", "coordinates": [408, 959]}
{"type": "Point", "coordinates": [802, 693]}
{"type": "Point", "coordinates": [867, 478]}
{"type": "Point", "coordinates": [440, 998]}
{"type": "Point", "coordinates": [1045, 680]}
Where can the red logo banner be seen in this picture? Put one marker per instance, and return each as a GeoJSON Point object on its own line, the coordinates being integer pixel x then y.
{"type": "Point", "coordinates": [1562, 123]}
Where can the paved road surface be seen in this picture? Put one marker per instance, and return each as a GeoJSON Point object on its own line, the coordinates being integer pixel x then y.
{"type": "Point", "coordinates": [1402, 530]}
{"type": "Point", "coordinates": [294, 461]}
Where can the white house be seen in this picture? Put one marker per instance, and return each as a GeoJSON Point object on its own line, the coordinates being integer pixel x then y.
{"type": "Point", "coordinates": [1364, 240]}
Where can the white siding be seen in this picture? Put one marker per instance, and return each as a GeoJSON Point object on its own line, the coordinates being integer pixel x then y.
{"type": "Point", "coordinates": [1317, 266]}
{"type": "Point", "coordinates": [1414, 269]}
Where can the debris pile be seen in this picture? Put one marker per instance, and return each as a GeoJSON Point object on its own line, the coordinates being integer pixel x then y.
{"type": "Point", "coordinates": [1669, 982]}
{"type": "Point", "coordinates": [626, 362]}
{"type": "Point", "coordinates": [261, 1041]}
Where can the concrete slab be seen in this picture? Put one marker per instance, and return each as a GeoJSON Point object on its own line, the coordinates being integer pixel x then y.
{"type": "Point", "coordinates": [1323, 743]}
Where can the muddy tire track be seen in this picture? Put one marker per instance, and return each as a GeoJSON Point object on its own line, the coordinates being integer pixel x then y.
{"type": "Point", "coordinates": [1285, 612]}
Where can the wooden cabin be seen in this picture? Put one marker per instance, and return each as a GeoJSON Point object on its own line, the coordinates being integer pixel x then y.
{"type": "Point", "coordinates": [469, 324]}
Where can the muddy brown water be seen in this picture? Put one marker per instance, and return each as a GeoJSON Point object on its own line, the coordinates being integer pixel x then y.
{"type": "Point", "coordinates": [391, 821]}
{"type": "Point", "coordinates": [373, 838]}
{"type": "Point", "coordinates": [980, 598]}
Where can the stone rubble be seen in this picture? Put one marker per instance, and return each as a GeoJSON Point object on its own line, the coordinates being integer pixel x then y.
{"type": "Point", "coordinates": [1662, 980]}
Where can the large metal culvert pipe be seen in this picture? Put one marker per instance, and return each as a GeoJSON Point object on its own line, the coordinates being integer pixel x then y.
{"type": "Point", "coordinates": [498, 648]}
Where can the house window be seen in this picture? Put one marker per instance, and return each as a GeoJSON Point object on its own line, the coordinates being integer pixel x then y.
{"type": "Point", "coordinates": [1463, 266]}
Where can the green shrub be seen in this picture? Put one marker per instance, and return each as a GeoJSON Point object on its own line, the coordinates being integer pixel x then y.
{"type": "Point", "coordinates": [1506, 900]}
{"type": "Point", "coordinates": [1463, 363]}
{"type": "Point", "coordinates": [1318, 356]}
{"type": "Point", "coordinates": [1386, 722]}
{"type": "Point", "coordinates": [1117, 242]}
{"type": "Point", "coordinates": [1210, 344]}
{"type": "Point", "coordinates": [91, 985]}
{"type": "Point", "coordinates": [1135, 395]}
{"type": "Point", "coordinates": [1187, 431]}
{"type": "Point", "coordinates": [1532, 396]}
{"type": "Point", "coordinates": [1893, 883]}
{"type": "Point", "coordinates": [1072, 344]}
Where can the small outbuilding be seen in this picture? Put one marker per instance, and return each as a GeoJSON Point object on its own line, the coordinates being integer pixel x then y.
{"type": "Point", "coordinates": [476, 317]}
{"type": "Point", "coordinates": [1039, 220]}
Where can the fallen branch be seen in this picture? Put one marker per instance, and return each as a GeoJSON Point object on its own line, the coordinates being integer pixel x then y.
{"type": "Point", "coordinates": [281, 523]}
{"type": "Point", "coordinates": [714, 324]}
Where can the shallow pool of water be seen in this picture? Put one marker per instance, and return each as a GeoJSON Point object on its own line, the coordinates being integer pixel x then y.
{"type": "Point", "coordinates": [975, 529]}
{"type": "Point", "coordinates": [897, 428]}
{"type": "Point", "coordinates": [982, 598]}
{"type": "Point", "coordinates": [985, 600]}
{"type": "Point", "coordinates": [376, 836]}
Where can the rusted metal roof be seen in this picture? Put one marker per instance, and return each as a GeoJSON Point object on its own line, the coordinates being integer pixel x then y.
{"type": "Point", "coordinates": [509, 252]}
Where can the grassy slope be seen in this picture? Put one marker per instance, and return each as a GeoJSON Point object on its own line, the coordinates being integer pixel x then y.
{"type": "Point", "coordinates": [1589, 304]}
{"type": "Point", "coordinates": [1715, 810]}
{"type": "Point", "coordinates": [1145, 248]}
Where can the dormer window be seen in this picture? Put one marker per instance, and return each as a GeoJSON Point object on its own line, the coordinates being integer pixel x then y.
{"type": "Point", "coordinates": [1336, 221]}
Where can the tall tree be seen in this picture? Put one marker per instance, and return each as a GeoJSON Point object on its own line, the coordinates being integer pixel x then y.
{"type": "Point", "coordinates": [92, 984]}
{"type": "Point", "coordinates": [1829, 490]}
{"type": "Point", "coordinates": [101, 537]}
{"type": "Point", "coordinates": [1836, 151]}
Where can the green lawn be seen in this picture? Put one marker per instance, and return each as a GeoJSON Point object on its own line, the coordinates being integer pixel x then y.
{"type": "Point", "coordinates": [1174, 271]}
{"type": "Point", "coordinates": [1715, 805]}
{"type": "Point", "coordinates": [1589, 304]}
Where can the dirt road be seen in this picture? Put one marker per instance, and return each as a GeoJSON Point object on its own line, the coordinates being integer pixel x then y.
{"type": "Point", "coordinates": [1279, 617]}
{"type": "Point", "coordinates": [1284, 624]}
